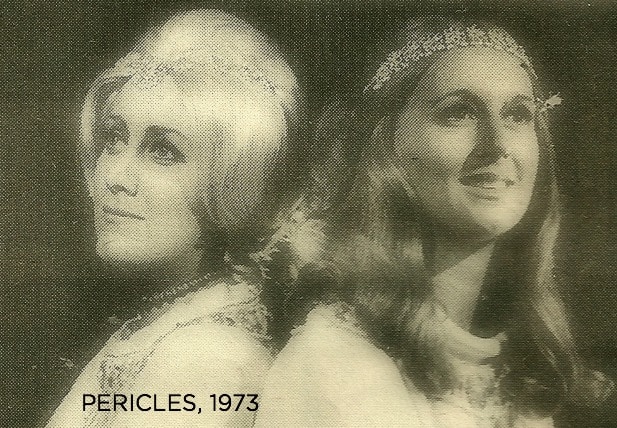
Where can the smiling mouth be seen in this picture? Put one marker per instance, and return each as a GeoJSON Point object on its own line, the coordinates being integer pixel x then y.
{"type": "Point", "coordinates": [121, 213]}
{"type": "Point", "coordinates": [487, 180]}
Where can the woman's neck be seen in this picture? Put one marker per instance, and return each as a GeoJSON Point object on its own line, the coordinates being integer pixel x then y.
{"type": "Point", "coordinates": [457, 276]}
{"type": "Point", "coordinates": [189, 267]}
{"type": "Point", "coordinates": [161, 275]}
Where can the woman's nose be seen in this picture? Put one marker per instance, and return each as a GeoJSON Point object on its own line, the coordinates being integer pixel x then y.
{"type": "Point", "coordinates": [494, 140]}
{"type": "Point", "coordinates": [121, 176]}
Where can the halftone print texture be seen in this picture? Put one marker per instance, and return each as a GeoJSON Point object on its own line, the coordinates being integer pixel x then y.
{"type": "Point", "coordinates": [298, 214]}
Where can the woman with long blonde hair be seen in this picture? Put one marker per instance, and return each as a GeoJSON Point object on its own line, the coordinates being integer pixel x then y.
{"type": "Point", "coordinates": [434, 302]}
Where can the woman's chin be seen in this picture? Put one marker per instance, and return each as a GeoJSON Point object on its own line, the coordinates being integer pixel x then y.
{"type": "Point", "coordinates": [490, 226]}
{"type": "Point", "coordinates": [482, 226]}
{"type": "Point", "coordinates": [124, 253]}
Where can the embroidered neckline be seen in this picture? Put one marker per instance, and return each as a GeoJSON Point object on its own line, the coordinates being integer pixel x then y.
{"type": "Point", "coordinates": [463, 344]}
{"type": "Point", "coordinates": [214, 292]}
{"type": "Point", "coordinates": [178, 290]}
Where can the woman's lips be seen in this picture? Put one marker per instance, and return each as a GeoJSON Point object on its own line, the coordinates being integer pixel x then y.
{"type": "Point", "coordinates": [488, 186]}
{"type": "Point", "coordinates": [487, 180]}
{"type": "Point", "coordinates": [117, 212]}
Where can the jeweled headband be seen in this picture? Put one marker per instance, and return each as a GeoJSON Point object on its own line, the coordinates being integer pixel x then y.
{"type": "Point", "coordinates": [451, 38]}
{"type": "Point", "coordinates": [148, 70]}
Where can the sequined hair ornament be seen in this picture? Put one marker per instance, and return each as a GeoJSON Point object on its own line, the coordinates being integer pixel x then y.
{"type": "Point", "coordinates": [423, 47]}
{"type": "Point", "coordinates": [147, 70]}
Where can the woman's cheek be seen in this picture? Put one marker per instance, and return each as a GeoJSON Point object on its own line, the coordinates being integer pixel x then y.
{"type": "Point", "coordinates": [435, 173]}
{"type": "Point", "coordinates": [445, 151]}
{"type": "Point", "coordinates": [169, 185]}
{"type": "Point", "coordinates": [96, 182]}
{"type": "Point", "coordinates": [171, 200]}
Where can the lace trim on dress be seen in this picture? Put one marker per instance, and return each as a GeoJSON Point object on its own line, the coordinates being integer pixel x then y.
{"type": "Point", "coordinates": [253, 320]}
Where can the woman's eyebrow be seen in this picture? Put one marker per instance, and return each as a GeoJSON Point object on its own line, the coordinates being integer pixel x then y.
{"type": "Point", "coordinates": [521, 99]}
{"type": "Point", "coordinates": [461, 93]}
{"type": "Point", "coordinates": [163, 130]}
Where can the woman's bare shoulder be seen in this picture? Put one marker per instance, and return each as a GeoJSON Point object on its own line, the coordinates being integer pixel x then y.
{"type": "Point", "coordinates": [336, 352]}
{"type": "Point", "coordinates": [333, 375]}
{"type": "Point", "coordinates": [198, 361]}
{"type": "Point", "coordinates": [211, 353]}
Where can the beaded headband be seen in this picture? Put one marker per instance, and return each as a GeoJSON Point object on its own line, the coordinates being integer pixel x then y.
{"type": "Point", "coordinates": [148, 70]}
{"type": "Point", "coordinates": [449, 39]}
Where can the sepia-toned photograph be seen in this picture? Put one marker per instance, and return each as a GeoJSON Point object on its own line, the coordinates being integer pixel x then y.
{"type": "Point", "coordinates": [308, 213]}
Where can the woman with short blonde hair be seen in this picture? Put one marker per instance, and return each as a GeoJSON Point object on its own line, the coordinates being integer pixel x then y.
{"type": "Point", "coordinates": [191, 148]}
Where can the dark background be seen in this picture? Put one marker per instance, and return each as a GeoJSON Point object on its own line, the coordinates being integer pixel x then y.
{"type": "Point", "coordinates": [57, 304]}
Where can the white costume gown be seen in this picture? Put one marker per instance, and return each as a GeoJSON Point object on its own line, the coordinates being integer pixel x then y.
{"type": "Point", "coordinates": [330, 374]}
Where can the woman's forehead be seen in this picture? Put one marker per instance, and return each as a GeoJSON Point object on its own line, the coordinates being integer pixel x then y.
{"type": "Point", "coordinates": [483, 71]}
{"type": "Point", "coordinates": [194, 108]}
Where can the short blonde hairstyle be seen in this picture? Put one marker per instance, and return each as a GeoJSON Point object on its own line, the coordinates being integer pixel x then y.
{"type": "Point", "coordinates": [253, 172]}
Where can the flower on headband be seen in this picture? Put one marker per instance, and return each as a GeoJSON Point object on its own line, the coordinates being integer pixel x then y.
{"type": "Point", "coordinates": [550, 103]}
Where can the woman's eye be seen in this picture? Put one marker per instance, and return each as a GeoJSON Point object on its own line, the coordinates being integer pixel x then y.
{"type": "Point", "coordinates": [165, 153]}
{"type": "Point", "coordinates": [111, 141]}
{"type": "Point", "coordinates": [519, 115]}
{"type": "Point", "coordinates": [457, 114]}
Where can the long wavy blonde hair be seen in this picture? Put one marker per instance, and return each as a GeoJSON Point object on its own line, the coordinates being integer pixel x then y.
{"type": "Point", "coordinates": [379, 246]}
